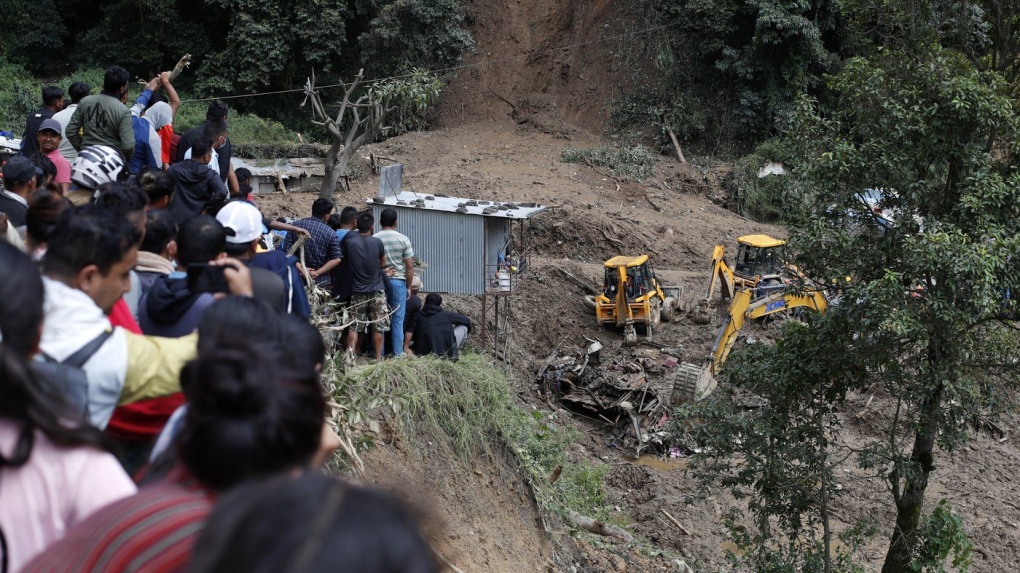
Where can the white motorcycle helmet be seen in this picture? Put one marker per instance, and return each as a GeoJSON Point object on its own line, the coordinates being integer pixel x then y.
{"type": "Point", "coordinates": [95, 165]}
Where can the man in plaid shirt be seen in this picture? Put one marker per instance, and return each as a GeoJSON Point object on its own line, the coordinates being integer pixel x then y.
{"type": "Point", "coordinates": [322, 250]}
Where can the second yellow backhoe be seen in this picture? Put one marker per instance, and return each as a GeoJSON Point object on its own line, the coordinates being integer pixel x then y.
{"type": "Point", "coordinates": [758, 286]}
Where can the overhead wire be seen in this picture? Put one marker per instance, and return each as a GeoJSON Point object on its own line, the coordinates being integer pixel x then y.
{"type": "Point", "coordinates": [448, 69]}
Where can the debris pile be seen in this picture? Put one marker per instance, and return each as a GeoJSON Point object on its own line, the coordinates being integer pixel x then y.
{"type": "Point", "coordinates": [633, 394]}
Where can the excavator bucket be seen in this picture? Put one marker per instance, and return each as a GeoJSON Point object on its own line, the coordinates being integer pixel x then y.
{"type": "Point", "coordinates": [693, 382]}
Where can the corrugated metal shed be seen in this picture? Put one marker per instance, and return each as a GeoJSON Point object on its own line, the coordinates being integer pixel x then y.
{"type": "Point", "coordinates": [460, 248]}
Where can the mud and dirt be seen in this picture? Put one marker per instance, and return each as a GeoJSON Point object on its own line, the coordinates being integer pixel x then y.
{"type": "Point", "coordinates": [491, 522]}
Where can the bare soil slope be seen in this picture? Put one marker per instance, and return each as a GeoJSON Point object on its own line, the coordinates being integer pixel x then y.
{"type": "Point", "coordinates": [558, 62]}
{"type": "Point", "coordinates": [492, 522]}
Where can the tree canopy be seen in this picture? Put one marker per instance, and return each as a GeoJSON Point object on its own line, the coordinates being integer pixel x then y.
{"type": "Point", "coordinates": [927, 317]}
{"type": "Point", "coordinates": [239, 46]}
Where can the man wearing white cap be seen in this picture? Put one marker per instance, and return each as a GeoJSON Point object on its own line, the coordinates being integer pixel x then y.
{"type": "Point", "coordinates": [243, 223]}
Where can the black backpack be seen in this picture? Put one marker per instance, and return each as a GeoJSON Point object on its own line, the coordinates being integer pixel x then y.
{"type": "Point", "coordinates": [67, 377]}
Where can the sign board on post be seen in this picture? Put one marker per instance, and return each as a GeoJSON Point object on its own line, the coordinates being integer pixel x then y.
{"type": "Point", "coordinates": [391, 179]}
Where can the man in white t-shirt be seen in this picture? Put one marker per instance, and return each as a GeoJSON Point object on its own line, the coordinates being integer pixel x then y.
{"type": "Point", "coordinates": [216, 132]}
{"type": "Point", "coordinates": [77, 91]}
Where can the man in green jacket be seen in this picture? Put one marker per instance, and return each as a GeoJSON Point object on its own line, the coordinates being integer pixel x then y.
{"type": "Point", "coordinates": [103, 119]}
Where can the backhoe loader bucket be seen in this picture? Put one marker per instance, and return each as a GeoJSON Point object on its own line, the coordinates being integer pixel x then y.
{"type": "Point", "coordinates": [693, 382]}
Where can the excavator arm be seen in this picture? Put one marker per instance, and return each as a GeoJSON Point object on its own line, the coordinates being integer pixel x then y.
{"type": "Point", "coordinates": [721, 272]}
{"type": "Point", "coordinates": [743, 308]}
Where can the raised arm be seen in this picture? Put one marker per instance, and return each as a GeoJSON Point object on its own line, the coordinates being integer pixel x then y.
{"type": "Point", "coordinates": [171, 93]}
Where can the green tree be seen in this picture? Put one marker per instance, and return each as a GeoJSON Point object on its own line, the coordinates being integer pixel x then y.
{"type": "Point", "coordinates": [271, 43]}
{"type": "Point", "coordinates": [33, 33]}
{"type": "Point", "coordinates": [406, 34]}
{"type": "Point", "coordinates": [143, 36]}
{"type": "Point", "coordinates": [930, 295]}
{"type": "Point", "coordinates": [781, 456]}
{"type": "Point", "coordinates": [731, 68]}
{"type": "Point", "coordinates": [363, 114]}
{"type": "Point", "coordinates": [927, 317]}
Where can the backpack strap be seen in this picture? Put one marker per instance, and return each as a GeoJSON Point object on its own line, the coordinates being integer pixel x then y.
{"type": "Point", "coordinates": [79, 358]}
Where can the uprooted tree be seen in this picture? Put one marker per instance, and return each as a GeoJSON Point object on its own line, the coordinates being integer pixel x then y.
{"type": "Point", "coordinates": [363, 114]}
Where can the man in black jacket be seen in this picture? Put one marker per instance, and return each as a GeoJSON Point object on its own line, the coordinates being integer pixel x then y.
{"type": "Point", "coordinates": [439, 331]}
{"type": "Point", "coordinates": [53, 101]}
{"type": "Point", "coordinates": [197, 188]}
{"type": "Point", "coordinates": [217, 112]}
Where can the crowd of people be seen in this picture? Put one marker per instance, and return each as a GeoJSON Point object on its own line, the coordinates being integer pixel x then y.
{"type": "Point", "coordinates": [162, 405]}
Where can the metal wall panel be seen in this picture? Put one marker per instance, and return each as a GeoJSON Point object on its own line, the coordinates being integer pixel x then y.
{"type": "Point", "coordinates": [497, 233]}
{"type": "Point", "coordinates": [453, 245]}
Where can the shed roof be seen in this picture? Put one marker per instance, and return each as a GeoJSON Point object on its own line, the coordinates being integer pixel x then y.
{"type": "Point", "coordinates": [497, 209]}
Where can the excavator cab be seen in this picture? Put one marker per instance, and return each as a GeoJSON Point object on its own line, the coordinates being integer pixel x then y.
{"type": "Point", "coordinates": [630, 295]}
{"type": "Point", "coordinates": [759, 256]}
{"type": "Point", "coordinates": [760, 262]}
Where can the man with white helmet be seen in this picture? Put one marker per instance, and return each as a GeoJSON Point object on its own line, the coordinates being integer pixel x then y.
{"type": "Point", "coordinates": [95, 165]}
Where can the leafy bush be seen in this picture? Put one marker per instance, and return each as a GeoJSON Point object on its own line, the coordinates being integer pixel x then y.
{"type": "Point", "coordinates": [769, 199]}
{"type": "Point", "coordinates": [637, 161]}
{"type": "Point", "coordinates": [20, 96]}
{"type": "Point", "coordinates": [412, 97]}
{"type": "Point", "coordinates": [249, 128]}
{"type": "Point", "coordinates": [404, 34]}
{"type": "Point", "coordinates": [91, 76]}
{"type": "Point", "coordinates": [244, 127]}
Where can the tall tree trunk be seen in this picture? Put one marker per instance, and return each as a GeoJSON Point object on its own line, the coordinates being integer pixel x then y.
{"type": "Point", "coordinates": [332, 171]}
{"type": "Point", "coordinates": [911, 502]}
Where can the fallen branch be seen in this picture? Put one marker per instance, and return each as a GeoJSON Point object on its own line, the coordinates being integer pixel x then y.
{"type": "Point", "coordinates": [599, 527]}
{"type": "Point", "coordinates": [865, 408]}
{"type": "Point", "coordinates": [676, 145]}
{"type": "Point", "coordinates": [508, 102]}
{"type": "Point", "coordinates": [347, 445]}
{"type": "Point", "coordinates": [300, 242]}
{"type": "Point", "coordinates": [616, 242]}
{"type": "Point", "coordinates": [650, 202]}
{"type": "Point", "coordinates": [181, 64]}
{"type": "Point", "coordinates": [445, 561]}
{"type": "Point", "coordinates": [279, 182]}
{"type": "Point", "coordinates": [578, 281]}
{"type": "Point", "coordinates": [674, 521]}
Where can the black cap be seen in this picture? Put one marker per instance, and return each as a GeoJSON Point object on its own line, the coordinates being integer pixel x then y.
{"type": "Point", "coordinates": [19, 170]}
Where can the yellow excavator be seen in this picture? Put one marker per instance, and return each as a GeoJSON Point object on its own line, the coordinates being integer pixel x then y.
{"type": "Point", "coordinates": [631, 295]}
{"type": "Point", "coordinates": [758, 285]}
{"type": "Point", "coordinates": [760, 259]}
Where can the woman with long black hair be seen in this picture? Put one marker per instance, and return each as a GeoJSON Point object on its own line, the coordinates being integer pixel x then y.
{"type": "Point", "coordinates": [54, 471]}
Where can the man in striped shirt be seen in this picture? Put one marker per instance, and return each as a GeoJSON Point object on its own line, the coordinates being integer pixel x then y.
{"type": "Point", "coordinates": [399, 257]}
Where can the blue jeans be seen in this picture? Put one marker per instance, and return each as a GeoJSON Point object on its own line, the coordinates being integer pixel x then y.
{"type": "Point", "coordinates": [398, 304]}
